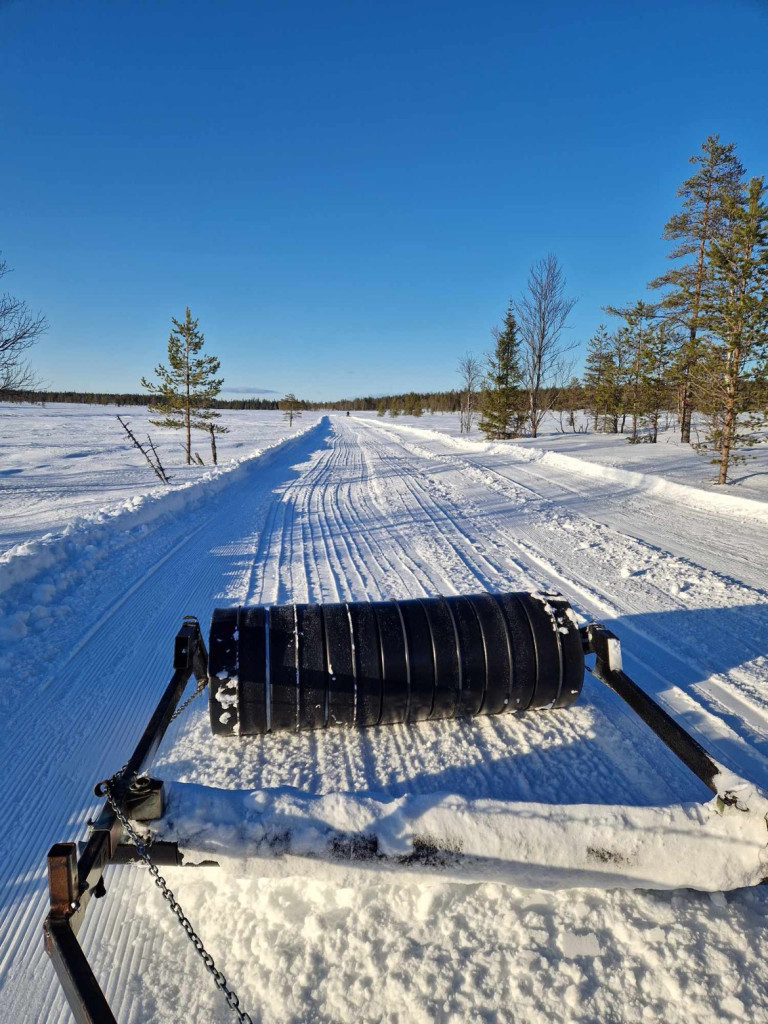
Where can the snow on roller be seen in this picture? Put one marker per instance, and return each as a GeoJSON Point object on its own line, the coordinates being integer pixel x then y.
{"type": "Point", "coordinates": [308, 667]}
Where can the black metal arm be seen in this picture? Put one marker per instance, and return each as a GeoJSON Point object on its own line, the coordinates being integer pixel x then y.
{"type": "Point", "coordinates": [73, 881]}
{"type": "Point", "coordinates": [608, 669]}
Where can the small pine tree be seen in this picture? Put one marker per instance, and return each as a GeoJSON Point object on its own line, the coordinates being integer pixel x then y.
{"type": "Point", "coordinates": [631, 359]}
{"type": "Point", "coordinates": [502, 414]}
{"type": "Point", "coordinates": [660, 344]}
{"type": "Point", "coordinates": [598, 375]}
{"type": "Point", "coordinates": [412, 405]}
{"type": "Point", "coordinates": [187, 385]}
{"type": "Point", "coordinates": [290, 407]}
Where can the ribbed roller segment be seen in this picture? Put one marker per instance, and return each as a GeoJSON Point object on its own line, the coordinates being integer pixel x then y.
{"type": "Point", "coordinates": [310, 666]}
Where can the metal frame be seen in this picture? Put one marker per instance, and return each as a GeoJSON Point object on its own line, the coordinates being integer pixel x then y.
{"type": "Point", "coordinates": [73, 880]}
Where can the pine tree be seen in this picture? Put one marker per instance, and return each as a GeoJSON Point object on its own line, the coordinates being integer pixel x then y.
{"type": "Point", "coordinates": [717, 182]}
{"type": "Point", "coordinates": [290, 408]}
{"type": "Point", "coordinates": [628, 343]}
{"type": "Point", "coordinates": [502, 414]}
{"type": "Point", "coordinates": [659, 348]}
{"type": "Point", "coordinates": [599, 375]}
{"type": "Point", "coordinates": [412, 405]}
{"type": "Point", "coordinates": [622, 348]}
{"type": "Point", "coordinates": [187, 386]}
{"type": "Point", "coordinates": [736, 315]}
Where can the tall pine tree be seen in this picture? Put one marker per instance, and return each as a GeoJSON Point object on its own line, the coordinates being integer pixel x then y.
{"type": "Point", "coordinates": [502, 413]}
{"type": "Point", "coordinates": [736, 314]}
{"type": "Point", "coordinates": [717, 182]}
{"type": "Point", "coordinates": [186, 386]}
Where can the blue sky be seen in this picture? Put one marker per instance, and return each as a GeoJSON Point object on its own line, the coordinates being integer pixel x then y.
{"type": "Point", "coordinates": [347, 193]}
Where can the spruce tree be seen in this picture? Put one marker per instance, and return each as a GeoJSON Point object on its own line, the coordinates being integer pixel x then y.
{"type": "Point", "coordinates": [502, 414]}
{"type": "Point", "coordinates": [598, 375]}
{"type": "Point", "coordinates": [718, 181]}
{"type": "Point", "coordinates": [186, 386]}
{"type": "Point", "coordinates": [736, 315]}
{"type": "Point", "coordinates": [659, 348]}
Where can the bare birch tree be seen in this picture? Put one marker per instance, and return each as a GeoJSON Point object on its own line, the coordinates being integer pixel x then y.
{"type": "Point", "coordinates": [542, 316]}
{"type": "Point", "coordinates": [19, 330]}
{"type": "Point", "coordinates": [471, 374]}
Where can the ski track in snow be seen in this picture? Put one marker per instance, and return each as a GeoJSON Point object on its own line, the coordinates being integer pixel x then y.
{"type": "Point", "coordinates": [350, 510]}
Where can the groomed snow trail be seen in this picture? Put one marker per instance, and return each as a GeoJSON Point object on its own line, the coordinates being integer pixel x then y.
{"type": "Point", "coordinates": [355, 510]}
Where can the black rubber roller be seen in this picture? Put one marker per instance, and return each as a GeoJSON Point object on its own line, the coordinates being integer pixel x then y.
{"type": "Point", "coordinates": [310, 666]}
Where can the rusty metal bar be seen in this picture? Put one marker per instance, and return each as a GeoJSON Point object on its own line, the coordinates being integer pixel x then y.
{"type": "Point", "coordinates": [85, 998]}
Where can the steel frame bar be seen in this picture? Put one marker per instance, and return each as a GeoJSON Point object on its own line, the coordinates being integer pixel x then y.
{"type": "Point", "coordinates": [605, 646]}
{"type": "Point", "coordinates": [73, 880]}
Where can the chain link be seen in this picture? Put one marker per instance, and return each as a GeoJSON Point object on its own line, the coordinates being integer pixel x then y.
{"type": "Point", "coordinates": [202, 683]}
{"type": "Point", "coordinates": [142, 848]}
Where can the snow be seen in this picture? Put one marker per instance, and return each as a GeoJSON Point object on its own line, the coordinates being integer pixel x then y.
{"type": "Point", "coordinates": [668, 468]}
{"type": "Point", "coordinates": [64, 463]}
{"type": "Point", "coordinates": [669, 459]}
{"type": "Point", "coordinates": [586, 845]}
{"type": "Point", "coordinates": [357, 507]}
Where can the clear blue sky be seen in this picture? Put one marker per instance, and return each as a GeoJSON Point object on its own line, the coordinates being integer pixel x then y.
{"type": "Point", "coordinates": [347, 193]}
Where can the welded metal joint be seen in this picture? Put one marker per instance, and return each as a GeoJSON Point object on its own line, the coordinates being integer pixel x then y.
{"type": "Point", "coordinates": [189, 652]}
{"type": "Point", "coordinates": [62, 878]}
{"type": "Point", "coordinates": [145, 799]}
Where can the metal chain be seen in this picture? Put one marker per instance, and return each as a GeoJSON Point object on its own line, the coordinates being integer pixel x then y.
{"type": "Point", "coordinates": [142, 849]}
{"type": "Point", "coordinates": [101, 787]}
{"type": "Point", "coordinates": [202, 683]}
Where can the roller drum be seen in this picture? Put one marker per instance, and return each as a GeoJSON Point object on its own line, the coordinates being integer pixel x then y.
{"type": "Point", "coordinates": [310, 666]}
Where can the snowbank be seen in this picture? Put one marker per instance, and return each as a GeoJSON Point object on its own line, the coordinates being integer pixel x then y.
{"type": "Point", "coordinates": [699, 846]}
{"type": "Point", "coordinates": [95, 535]}
{"type": "Point", "coordinates": [695, 497]}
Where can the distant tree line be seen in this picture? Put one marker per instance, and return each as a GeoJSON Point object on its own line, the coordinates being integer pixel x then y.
{"type": "Point", "coordinates": [109, 398]}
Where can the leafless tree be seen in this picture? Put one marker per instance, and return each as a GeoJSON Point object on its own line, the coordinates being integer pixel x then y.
{"type": "Point", "coordinates": [542, 316]}
{"type": "Point", "coordinates": [471, 373]}
{"type": "Point", "coordinates": [19, 330]}
{"type": "Point", "coordinates": [154, 459]}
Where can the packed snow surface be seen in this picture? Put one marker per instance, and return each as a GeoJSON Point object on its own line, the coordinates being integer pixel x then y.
{"type": "Point", "coordinates": [100, 565]}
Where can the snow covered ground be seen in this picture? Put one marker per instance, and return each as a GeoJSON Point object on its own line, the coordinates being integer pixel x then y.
{"type": "Point", "coordinates": [352, 508]}
{"type": "Point", "coordinates": [65, 461]}
{"type": "Point", "coordinates": [669, 459]}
